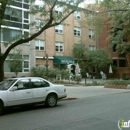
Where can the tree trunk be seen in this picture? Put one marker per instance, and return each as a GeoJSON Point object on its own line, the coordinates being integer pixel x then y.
{"type": "Point", "coordinates": [1, 72]}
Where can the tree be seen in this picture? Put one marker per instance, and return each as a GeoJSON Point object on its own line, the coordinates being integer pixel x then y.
{"type": "Point", "coordinates": [95, 20]}
{"type": "Point", "coordinates": [118, 11]}
{"type": "Point", "coordinates": [98, 58]}
{"type": "Point", "coordinates": [114, 14]}
{"type": "Point", "coordinates": [51, 19]}
{"type": "Point", "coordinates": [79, 50]}
{"type": "Point", "coordinates": [15, 65]}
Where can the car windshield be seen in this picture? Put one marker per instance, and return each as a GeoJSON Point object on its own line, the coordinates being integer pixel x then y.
{"type": "Point", "coordinates": [6, 84]}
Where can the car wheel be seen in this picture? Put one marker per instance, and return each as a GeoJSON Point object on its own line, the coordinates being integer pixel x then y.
{"type": "Point", "coordinates": [1, 108]}
{"type": "Point", "coordinates": [51, 100]}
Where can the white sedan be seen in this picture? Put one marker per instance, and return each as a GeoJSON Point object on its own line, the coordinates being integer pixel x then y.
{"type": "Point", "coordinates": [29, 90]}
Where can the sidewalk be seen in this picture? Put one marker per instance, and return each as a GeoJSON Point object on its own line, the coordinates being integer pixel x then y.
{"type": "Point", "coordinates": [90, 91]}
{"type": "Point", "coordinates": [89, 81]}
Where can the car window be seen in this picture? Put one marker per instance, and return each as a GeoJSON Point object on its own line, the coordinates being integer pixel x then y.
{"type": "Point", "coordinates": [37, 83]}
{"type": "Point", "coordinates": [23, 84]}
{"type": "Point", "coordinates": [6, 84]}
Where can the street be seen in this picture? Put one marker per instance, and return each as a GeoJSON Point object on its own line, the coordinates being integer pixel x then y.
{"type": "Point", "coordinates": [99, 112]}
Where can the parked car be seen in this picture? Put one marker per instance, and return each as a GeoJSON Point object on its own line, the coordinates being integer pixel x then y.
{"type": "Point", "coordinates": [29, 90]}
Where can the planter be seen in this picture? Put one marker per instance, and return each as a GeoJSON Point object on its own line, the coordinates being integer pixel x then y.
{"type": "Point", "coordinates": [115, 86]}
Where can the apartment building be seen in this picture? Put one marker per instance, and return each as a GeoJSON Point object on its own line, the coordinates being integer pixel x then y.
{"type": "Point", "coordinates": [120, 62]}
{"type": "Point", "coordinates": [18, 25]}
{"type": "Point", "coordinates": [54, 46]}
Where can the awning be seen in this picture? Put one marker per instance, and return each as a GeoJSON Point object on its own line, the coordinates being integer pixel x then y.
{"type": "Point", "coordinates": [63, 60]}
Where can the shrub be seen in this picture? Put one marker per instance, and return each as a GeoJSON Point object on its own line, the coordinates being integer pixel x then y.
{"type": "Point", "coordinates": [64, 74]}
{"type": "Point", "coordinates": [117, 82]}
{"type": "Point", "coordinates": [78, 78]}
{"type": "Point", "coordinates": [52, 73]}
{"type": "Point", "coordinates": [38, 71]}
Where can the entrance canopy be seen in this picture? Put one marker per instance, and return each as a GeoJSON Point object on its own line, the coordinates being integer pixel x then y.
{"type": "Point", "coordinates": [63, 60]}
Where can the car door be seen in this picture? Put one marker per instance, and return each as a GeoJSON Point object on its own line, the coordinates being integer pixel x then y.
{"type": "Point", "coordinates": [40, 89]}
{"type": "Point", "coordinates": [21, 95]}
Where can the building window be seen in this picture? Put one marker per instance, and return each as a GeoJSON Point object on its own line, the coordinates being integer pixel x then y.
{"type": "Point", "coordinates": [91, 48]}
{"type": "Point", "coordinates": [59, 47]}
{"type": "Point", "coordinates": [39, 24]}
{"type": "Point", "coordinates": [77, 31]}
{"type": "Point", "coordinates": [58, 10]}
{"type": "Point", "coordinates": [11, 35]}
{"type": "Point", "coordinates": [25, 63]}
{"type": "Point", "coordinates": [115, 62]}
{"type": "Point", "coordinates": [122, 63]}
{"type": "Point", "coordinates": [59, 29]}
{"type": "Point", "coordinates": [114, 47]}
{"type": "Point", "coordinates": [91, 33]}
{"type": "Point", "coordinates": [10, 15]}
{"type": "Point", "coordinates": [25, 17]}
{"type": "Point", "coordinates": [77, 15]}
{"type": "Point", "coordinates": [26, 66]}
{"type": "Point", "coordinates": [40, 45]}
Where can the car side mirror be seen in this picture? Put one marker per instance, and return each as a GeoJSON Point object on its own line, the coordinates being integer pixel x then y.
{"type": "Point", "coordinates": [14, 88]}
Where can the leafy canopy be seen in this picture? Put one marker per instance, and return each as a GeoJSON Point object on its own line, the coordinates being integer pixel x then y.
{"type": "Point", "coordinates": [98, 58]}
{"type": "Point", "coordinates": [118, 11]}
{"type": "Point", "coordinates": [79, 50]}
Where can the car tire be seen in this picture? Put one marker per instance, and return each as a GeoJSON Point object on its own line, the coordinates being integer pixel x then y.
{"type": "Point", "coordinates": [1, 108]}
{"type": "Point", "coordinates": [51, 100]}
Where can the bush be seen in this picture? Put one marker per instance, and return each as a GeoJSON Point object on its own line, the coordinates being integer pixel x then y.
{"type": "Point", "coordinates": [38, 72]}
{"type": "Point", "coordinates": [52, 73]}
{"type": "Point", "coordinates": [78, 78]}
{"type": "Point", "coordinates": [64, 74]}
{"type": "Point", "coordinates": [117, 82]}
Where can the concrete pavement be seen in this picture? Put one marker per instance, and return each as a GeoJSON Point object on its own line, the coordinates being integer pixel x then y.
{"type": "Point", "coordinates": [90, 91]}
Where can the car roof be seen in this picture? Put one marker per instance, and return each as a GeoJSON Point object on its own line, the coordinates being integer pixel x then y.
{"type": "Point", "coordinates": [26, 78]}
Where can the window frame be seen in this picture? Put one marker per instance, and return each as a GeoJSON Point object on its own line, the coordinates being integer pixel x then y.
{"type": "Point", "coordinates": [92, 47]}
{"type": "Point", "coordinates": [59, 47]}
{"type": "Point", "coordinates": [58, 10]}
{"type": "Point", "coordinates": [59, 29]}
{"type": "Point", "coordinates": [91, 33]}
{"type": "Point", "coordinates": [40, 81]}
{"type": "Point", "coordinates": [38, 47]}
{"type": "Point", "coordinates": [77, 15]}
{"type": "Point", "coordinates": [77, 31]}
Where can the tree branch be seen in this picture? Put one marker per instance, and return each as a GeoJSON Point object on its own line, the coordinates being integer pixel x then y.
{"type": "Point", "coordinates": [57, 23]}
{"type": "Point", "coordinates": [48, 25]}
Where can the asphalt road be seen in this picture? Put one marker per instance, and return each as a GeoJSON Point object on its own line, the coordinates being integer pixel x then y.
{"type": "Point", "coordinates": [98, 112]}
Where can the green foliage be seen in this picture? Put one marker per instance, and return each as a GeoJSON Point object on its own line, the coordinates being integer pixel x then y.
{"type": "Point", "coordinates": [78, 78]}
{"type": "Point", "coordinates": [46, 11]}
{"type": "Point", "coordinates": [64, 74]}
{"type": "Point", "coordinates": [98, 58]}
{"type": "Point", "coordinates": [95, 83]}
{"type": "Point", "coordinates": [118, 12]}
{"type": "Point", "coordinates": [123, 48]}
{"type": "Point", "coordinates": [94, 20]}
{"type": "Point", "coordinates": [79, 50]}
{"type": "Point", "coordinates": [52, 73]}
{"type": "Point", "coordinates": [38, 72]}
{"type": "Point", "coordinates": [15, 64]}
{"type": "Point", "coordinates": [118, 82]}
